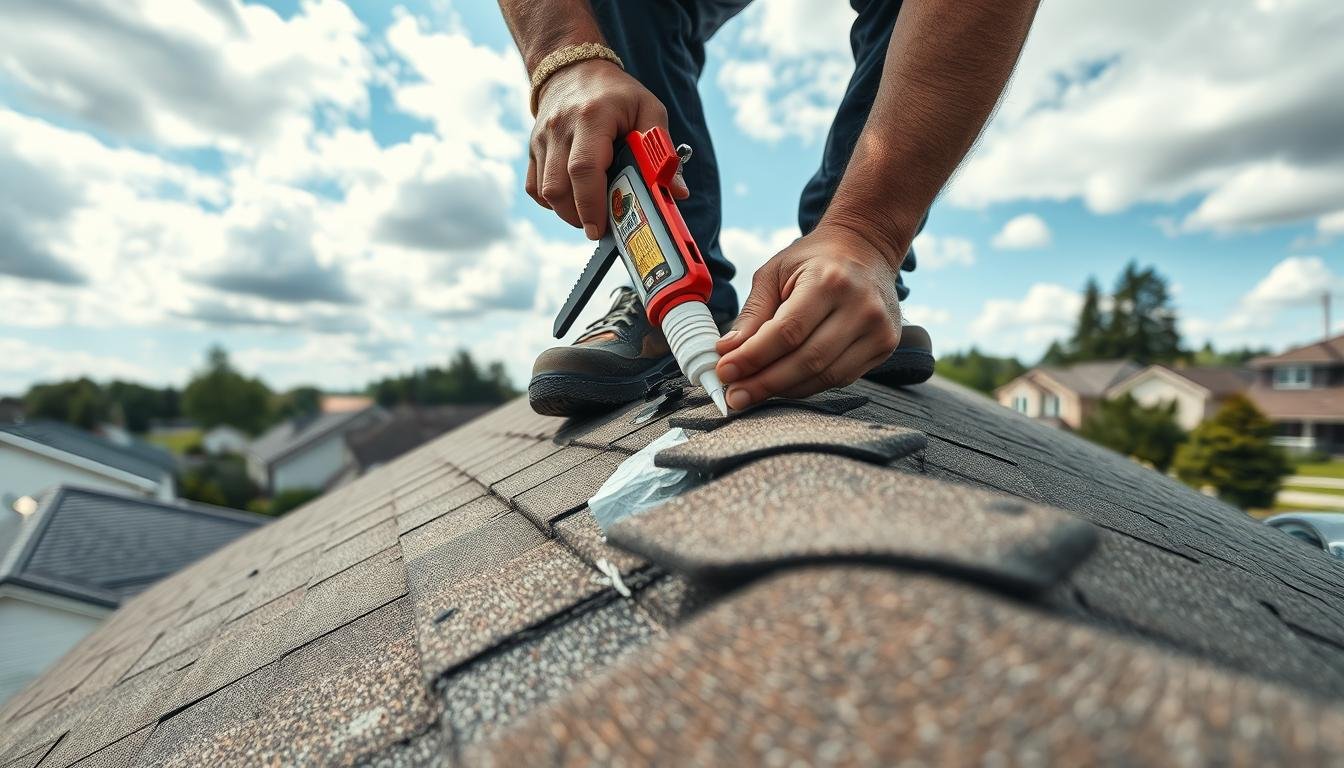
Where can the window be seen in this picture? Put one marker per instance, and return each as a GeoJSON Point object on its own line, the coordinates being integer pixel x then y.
{"type": "Point", "coordinates": [1020, 404]}
{"type": "Point", "coordinates": [1292, 377]}
{"type": "Point", "coordinates": [1050, 407]}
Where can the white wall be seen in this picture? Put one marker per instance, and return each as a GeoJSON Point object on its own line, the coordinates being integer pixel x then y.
{"type": "Point", "coordinates": [1191, 407]}
{"type": "Point", "coordinates": [33, 635]}
{"type": "Point", "coordinates": [311, 467]}
{"type": "Point", "coordinates": [28, 474]}
{"type": "Point", "coordinates": [224, 440]}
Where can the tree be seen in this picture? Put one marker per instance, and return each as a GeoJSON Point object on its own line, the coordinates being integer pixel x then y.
{"type": "Point", "coordinates": [1142, 324]}
{"type": "Point", "coordinates": [1145, 432]}
{"type": "Point", "coordinates": [1136, 322]}
{"type": "Point", "coordinates": [1233, 453]}
{"type": "Point", "coordinates": [979, 371]}
{"type": "Point", "coordinates": [286, 500]}
{"type": "Point", "coordinates": [78, 401]}
{"type": "Point", "coordinates": [219, 480]}
{"type": "Point", "coordinates": [221, 395]}
{"type": "Point", "coordinates": [135, 406]}
{"type": "Point", "coordinates": [460, 382]}
{"type": "Point", "coordinates": [1089, 334]}
{"type": "Point", "coordinates": [298, 403]}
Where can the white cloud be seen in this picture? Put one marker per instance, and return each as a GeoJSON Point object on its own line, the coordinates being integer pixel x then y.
{"type": "Point", "coordinates": [1025, 232]}
{"type": "Point", "coordinates": [182, 73]}
{"type": "Point", "coordinates": [789, 68]}
{"type": "Point", "coordinates": [936, 252]}
{"type": "Point", "coordinates": [1025, 326]}
{"type": "Point", "coordinates": [475, 96]}
{"type": "Point", "coordinates": [22, 362]}
{"type": "Point", "coordinates": [1295, 282]}
{"type": "Point", "coordinates": [1118, 104]}
{"type": "Point", "coordinates": [749, 249]}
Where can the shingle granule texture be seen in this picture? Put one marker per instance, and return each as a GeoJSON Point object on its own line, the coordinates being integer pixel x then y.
{"type": "Point", "coordinates": [866, 577]}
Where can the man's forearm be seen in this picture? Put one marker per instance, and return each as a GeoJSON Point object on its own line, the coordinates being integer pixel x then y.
{"type": "Point", "coordinates": [542, 26]}
{"type": "Point", "coordinates": [946, 67]}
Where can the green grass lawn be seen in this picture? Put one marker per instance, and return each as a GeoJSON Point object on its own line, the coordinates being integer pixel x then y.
{"type": "Point", "coordinates": [1321, 469]}
{"type": "Point", "coordinates": [177, 442]}
{"type": "Point", "coordinates": [1312, 489]}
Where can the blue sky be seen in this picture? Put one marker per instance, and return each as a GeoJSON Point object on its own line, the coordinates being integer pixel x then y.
{"type": "Point", "coordinates": [333, 191]}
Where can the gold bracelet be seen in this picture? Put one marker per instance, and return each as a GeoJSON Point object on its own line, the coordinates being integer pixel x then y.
{"type": "Point", "coordinates": [570, 54]}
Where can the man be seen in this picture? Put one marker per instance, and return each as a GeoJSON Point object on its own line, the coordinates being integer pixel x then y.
{"type": "Point", "coordinates": [824, 311]}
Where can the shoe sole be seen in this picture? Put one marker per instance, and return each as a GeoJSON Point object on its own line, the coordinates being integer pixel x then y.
{"type": "Point", "coordinates": [570, 394]}
{"type": "Point", "coordinates": [904, 368]}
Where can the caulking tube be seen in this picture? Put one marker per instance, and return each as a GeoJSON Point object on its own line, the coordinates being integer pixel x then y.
{"type": "Point", "coordinates": [664, 263]}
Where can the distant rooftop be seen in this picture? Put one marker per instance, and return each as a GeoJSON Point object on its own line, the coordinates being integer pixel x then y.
{"type": "Point", "coordinates": [86, 445]}
{"type": "Point", "coordinates": [291, 435]}
{"type": "Point", "coordinates": [1326, 351]}
{"type": "Point", "coordinates": [102, 547]}
{"type": "Point", "coordinates": [1092, 379]}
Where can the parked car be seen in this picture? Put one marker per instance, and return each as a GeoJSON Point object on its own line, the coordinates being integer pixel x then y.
{"type": "Point", "coordinates": [1323, 530]}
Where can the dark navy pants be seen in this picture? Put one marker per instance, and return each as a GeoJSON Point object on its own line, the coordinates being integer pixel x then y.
{"type": "Point", "coordinates": [662, 43]}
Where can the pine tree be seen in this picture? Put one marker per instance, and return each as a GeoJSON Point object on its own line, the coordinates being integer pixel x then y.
{"type": "Point", "coordinates": [1087, 335]}
{"type": "Point", "coordinates": [1233, 453]}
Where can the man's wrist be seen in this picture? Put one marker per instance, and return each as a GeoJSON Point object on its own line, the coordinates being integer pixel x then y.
{"type": "Point", "coordinates": [883, 234]}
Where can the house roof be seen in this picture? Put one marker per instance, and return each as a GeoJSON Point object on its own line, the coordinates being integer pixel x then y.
{"type": "Point", "coordinates": [101, 547]}
{"type": "Point", "coordinates": [1218, 381]}
{"type": "Point", "coordinates": [408, 427]}
{"type": "Point", "coordinates": [293, 435]}
{"type": "Point", "coordinates": [1326, 351]}
{"type": "Point", "coordinates": [1090, 379]}
{"type": "Point", "coordinates": [870, 576]}
{"type": "Point", "coordinates": [1320, 404]}
{"type": "Point", "coordinates": [72, 440]}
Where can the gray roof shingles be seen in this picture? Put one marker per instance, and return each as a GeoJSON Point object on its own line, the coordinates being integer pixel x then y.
{"type": "Point", "coordinates": [103, 547]}
{"type": "Point", "coordinates": [997, 591]}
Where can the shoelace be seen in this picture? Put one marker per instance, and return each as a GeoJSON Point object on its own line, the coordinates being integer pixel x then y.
{"type": "Point", "coordinates": [624, 310]}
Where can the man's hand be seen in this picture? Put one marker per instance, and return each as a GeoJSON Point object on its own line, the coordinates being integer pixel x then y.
{"type": "Point", "coordinates": [821, 314]}
{"type": "Point", "coordinates": [581, 111]}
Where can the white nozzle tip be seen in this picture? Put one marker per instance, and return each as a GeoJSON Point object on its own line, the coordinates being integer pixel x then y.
{"type": "Point", "coordinates": [717, 397]}
{"type": "Point", "coordinates": [710, 381]}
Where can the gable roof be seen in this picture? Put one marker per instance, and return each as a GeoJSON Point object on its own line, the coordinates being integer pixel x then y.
{"type": "Point", "coordinates": [293, 435]}
{"type": "Point", "coordinates": [68, 439]}
{"type": "Point", "coordinates": [101, 547]}
{"type": "Point", "coordinates": [1327, 351]}
{"type": "Point", "coordinates": [965, 581]}
{"type": "Point", "coordinates": [1090, 379]}
{"type": "Point", "coordinates": [1218, 381]}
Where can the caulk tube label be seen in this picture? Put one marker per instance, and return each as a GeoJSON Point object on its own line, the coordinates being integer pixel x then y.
{"type": "Point", "coordinates": [641, 237]}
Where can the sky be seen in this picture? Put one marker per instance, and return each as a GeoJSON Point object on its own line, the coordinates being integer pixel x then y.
{"type": "Point", "coordinates": [333, 191]}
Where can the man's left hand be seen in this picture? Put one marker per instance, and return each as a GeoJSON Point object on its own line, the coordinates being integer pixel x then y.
{"type": "Point", "coordinates": [821, 313]}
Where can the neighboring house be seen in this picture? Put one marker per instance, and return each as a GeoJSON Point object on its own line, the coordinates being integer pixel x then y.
{"type": "Point", "coordinates": [1302, 392]}
{"type": "Point", "coordinates": [908, 576]}
{"type": "Point", "coordinates": [408, 427]}
{"type": "Point", "coordinates": [225, 439]}
{"type": "Point", "coordinates": [1197, 391]}
{"type": "Point", "coordinates": [80, 555]}
{"type": "Point", "coordinates": [38, 455]}
{"type": "Point", "coordinates": [1064, 395]}
{"type": "Point", "coordinates": [308, 452]}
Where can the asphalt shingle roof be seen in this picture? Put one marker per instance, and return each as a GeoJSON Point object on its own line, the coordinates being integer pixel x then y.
{"type": "Point", "coordinates": [1094, 378]}
{"type": "Point", "coordinates": [963, 585]}
{"type": "Point", "coordinates": [139, 459]}
{"type": "Point", "coordinates": [104, 547]}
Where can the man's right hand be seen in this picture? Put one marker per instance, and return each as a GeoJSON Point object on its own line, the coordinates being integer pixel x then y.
{"type": "Point", "coordinates": [581, 111]}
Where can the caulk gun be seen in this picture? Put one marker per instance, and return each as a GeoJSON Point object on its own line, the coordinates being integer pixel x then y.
{"type": "Point", "coordinates": [668, 272]}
